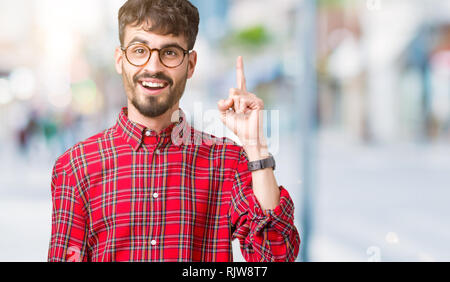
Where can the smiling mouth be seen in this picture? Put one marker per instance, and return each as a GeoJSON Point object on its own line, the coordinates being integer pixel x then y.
{"type": "Point", "coordinates": [154, 85]}
{"type": "Point", "coordinates": [153, 88]}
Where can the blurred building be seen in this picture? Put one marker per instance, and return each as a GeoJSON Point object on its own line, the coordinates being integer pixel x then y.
{"type": "Point", "coordinates": [377, 68]}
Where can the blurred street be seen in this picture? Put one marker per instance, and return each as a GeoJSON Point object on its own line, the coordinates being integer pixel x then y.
{"type": "Point", "coordinates": [385, 201]}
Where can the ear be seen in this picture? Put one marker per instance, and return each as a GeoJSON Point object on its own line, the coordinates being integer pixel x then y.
{"type": "Point", "coordinates": [192, 63]}
{"type": "Point", "coordinates": [118, 58]}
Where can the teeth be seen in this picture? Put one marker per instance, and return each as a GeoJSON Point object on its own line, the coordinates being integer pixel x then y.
{"type": "Point", "coordinates": [151, 84]}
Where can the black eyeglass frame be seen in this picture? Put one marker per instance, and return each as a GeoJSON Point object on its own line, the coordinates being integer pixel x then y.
{"type": "Point", "coordinates": [185, 52]}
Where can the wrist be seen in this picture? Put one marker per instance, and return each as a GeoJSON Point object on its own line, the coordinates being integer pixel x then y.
{"type": "Point", "coordinates": [256, 153]}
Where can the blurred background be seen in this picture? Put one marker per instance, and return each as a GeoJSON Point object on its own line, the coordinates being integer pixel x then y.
{"type": "Point", "coordinates": [361, 89]}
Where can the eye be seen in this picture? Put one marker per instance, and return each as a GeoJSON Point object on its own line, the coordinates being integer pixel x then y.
{"type": "Point", "coordinates": [170, 53]}
{"type": "Point", "coordinates": [140, 51]}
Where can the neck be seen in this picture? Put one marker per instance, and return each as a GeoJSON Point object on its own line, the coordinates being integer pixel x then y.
{"type": "Point", "coordinates": [156, 124]}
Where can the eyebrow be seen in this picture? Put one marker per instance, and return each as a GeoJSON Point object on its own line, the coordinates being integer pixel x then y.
{"type": "Point", "coordinates": [140, 40]}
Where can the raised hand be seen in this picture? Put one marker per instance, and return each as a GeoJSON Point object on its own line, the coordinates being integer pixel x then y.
{"type": "Point", "coordinates": [241, 113]}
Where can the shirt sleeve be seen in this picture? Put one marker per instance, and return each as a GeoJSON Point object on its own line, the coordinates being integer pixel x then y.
{"type": "Point", "coordinates": [264, 235]}
{"type": "Point", "coordinates": [68, 242]}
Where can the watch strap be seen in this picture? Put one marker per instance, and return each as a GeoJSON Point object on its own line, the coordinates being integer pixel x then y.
{"type": "Point", "coordinates": [262, 164]}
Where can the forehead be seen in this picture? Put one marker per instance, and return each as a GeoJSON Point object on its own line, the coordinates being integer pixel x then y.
{"type": "Point", "coordinates": [154, 39]}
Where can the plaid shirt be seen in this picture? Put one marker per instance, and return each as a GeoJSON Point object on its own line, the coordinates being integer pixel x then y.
{"type": "Point", "coordinates": [130, 194]}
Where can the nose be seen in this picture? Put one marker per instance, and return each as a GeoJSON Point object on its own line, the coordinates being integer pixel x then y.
{"type": "Point", "coordinates": [154, 65]}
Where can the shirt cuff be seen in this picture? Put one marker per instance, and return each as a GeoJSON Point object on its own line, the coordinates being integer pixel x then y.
{"type": "Point", "coordinates": [281, 218]}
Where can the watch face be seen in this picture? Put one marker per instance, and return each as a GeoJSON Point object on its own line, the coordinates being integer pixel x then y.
{"type": "Point", "coordinates": [255, 165]}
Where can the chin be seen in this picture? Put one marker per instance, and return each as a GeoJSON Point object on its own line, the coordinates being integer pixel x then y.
{"type": "Point", "coordinates": [150, 109]}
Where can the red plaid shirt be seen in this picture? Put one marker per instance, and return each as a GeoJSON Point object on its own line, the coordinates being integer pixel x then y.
{"type": "Point", "coordinates": [129, 194]}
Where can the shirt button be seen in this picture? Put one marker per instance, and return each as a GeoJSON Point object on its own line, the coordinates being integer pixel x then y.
{"type": "Point", "coordinates": [153, 242]}
{"type": "Point", "coordinates": [158, 151]}
{"type": "Point", "coordinates": [155, 195]}
{"type": "Point", "coordinates": [148, 133]}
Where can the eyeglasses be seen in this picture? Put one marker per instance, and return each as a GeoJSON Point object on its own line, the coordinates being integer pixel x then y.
{"type": "Point", "coordinates": [139, 54]}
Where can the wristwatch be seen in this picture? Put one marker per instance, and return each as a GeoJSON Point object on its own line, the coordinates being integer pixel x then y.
{"type": "Point", "coordinates": [262, 164]}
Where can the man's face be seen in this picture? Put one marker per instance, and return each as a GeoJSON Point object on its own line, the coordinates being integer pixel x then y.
{"type": "Point", "coordinates": [169, 82]}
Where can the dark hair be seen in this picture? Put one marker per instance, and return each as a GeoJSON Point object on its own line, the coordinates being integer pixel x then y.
{"type": "Point", "coordinates": [175, 17]}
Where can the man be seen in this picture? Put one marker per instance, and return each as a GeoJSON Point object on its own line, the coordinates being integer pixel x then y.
{"type": "Point", "coordinates": [153, 188]}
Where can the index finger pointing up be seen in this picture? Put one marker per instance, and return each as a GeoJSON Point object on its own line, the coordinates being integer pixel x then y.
{"type": "Point", "coordinates": [240, 74]}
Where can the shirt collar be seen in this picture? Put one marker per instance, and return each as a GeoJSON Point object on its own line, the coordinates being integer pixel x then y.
{"type": "Point", "coordinates": [134, 133]}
